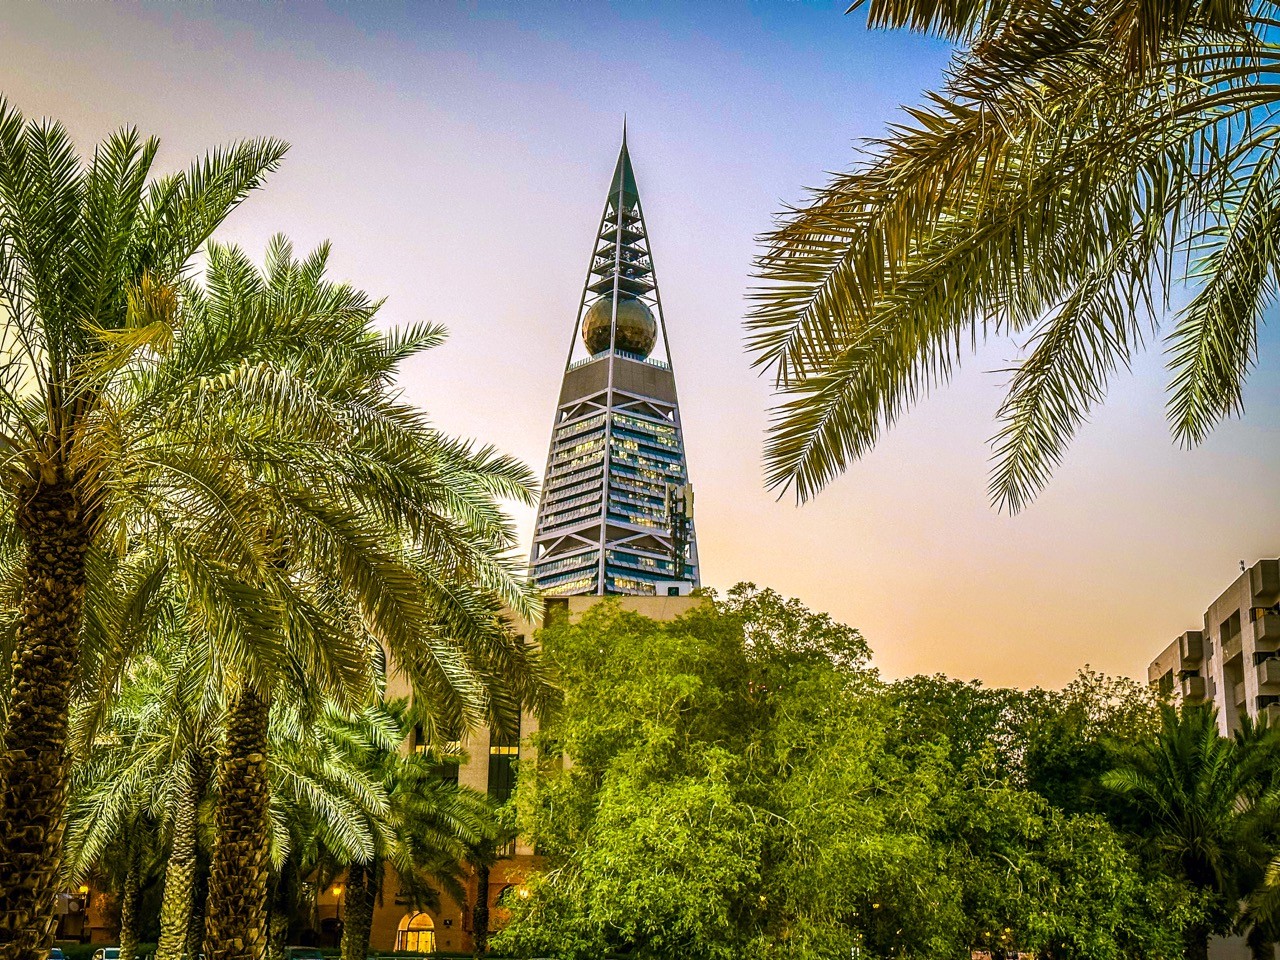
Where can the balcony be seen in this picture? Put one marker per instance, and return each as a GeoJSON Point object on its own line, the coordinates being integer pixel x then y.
{"type": "Point", "coordinates": [1238, 693]}
{"type": "Point", "coordinates": [1272, 714]}
{"type": "Point", "coordinates": [1264, 581]}
{"type": "Point", "coordinates": [1191, 649]}
{"type": "Point", "coordinates": [1269, 671]}
{"type": "Point", "coordinates": [1231, 648]}
{"type": "Point", "coordinates": [1192, 688]}
{"type": "Point", "coordinates": [1266, 631]}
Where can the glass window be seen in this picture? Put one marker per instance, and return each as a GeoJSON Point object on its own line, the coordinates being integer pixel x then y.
{"type": "Point", "coordinates": [416, 934]}
{"type": "Point", "coordinates": [504, 756]}
{"type": "Point", "coordinates": [450, 745]}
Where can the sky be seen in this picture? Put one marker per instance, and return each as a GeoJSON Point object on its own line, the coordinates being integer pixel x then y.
{"type": "Point", "coordinates": [457, 156]}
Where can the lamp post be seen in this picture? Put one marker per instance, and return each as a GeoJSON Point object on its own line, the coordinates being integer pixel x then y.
{"type": "Point", "coordinates": [337, 926]}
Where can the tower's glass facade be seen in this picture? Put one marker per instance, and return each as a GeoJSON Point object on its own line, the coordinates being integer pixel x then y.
{"type": "Point", "coordinates": [617, 508]}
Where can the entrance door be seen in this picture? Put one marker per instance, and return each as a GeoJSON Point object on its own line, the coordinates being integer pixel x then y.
{"type": "Point", "coordinates": [416, 934]}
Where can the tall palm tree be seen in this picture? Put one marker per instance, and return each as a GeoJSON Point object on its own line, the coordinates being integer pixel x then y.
{"type": "Point", "coordinates": [308, 521]}
{"type": "Point", "coordinates": [1078, 164]}
{"type": "Point", "coordinates": [246, 432]}
{"type": "Point", "coordinates": [429, 828]}
{"type": "Point", "coordinates": [90, 256]}
{"type": "Point", "coordinates": [1198, 792]}
{"type": "Point", "coordinates": [149, 763]}
{"type": "Point", "coordinates": [336, 525]}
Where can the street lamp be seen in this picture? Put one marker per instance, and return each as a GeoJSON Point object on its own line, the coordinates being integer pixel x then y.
{"type": "Point", "coordinates": [337, 893]}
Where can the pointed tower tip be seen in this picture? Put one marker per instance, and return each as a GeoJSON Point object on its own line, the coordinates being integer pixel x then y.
{"type": "Point", "coordinates": [624, 177]}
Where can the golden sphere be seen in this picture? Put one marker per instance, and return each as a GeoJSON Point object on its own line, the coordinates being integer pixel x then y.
{"type": "Point", "coordinates": [637, 331]}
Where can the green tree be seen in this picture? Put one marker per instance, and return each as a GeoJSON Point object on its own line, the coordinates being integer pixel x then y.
{"type": "Point", "coordinates": [740, 783]}
{"type": "Point", "coordinates": [651, 845]}
{"type": "Point", "coordinates": [90, 256]}
{"type": "Point", "coordinates": [1070, 735]}
{"type": "Point", "coordinates": [1197, 792]}
{"type": "Point", "coordinates": [905, 828]}
{"type": "Point", "coordinates": [1079, 163]}
{"type": "Point", "coordinates": [361, 528]}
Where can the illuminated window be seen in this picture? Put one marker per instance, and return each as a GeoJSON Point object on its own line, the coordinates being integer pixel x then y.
{"type": "Point", "coordinates": [416, 934]}
{"type": "Point", "coordinates": [449, 746]}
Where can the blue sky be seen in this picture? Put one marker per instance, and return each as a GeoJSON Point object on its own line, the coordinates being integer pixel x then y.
{"type": "Point", "coordinates": [458, 156]}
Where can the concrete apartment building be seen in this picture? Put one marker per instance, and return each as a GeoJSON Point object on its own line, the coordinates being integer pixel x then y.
{"type": "Point", "coordinates": [1233, 663]}
{"type": "Point", "coordinates": [1233, 660]}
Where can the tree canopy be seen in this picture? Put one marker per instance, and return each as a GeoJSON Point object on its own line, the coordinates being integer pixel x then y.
{"type": "Point", "coordinates": [740, 782]}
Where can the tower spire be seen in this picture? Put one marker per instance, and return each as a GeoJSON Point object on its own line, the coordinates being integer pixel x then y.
{"type": "Point", "coordinates": [616, 510]}
{"type": "Point", "coordinates": [623, 176]}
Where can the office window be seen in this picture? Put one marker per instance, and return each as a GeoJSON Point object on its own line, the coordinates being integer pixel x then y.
{"type": "Point", "coordinates": [450, 747]}
{"type": "Point", "coordinates": [504, 757]}
{"type": "Point", "coordinates": [453, 749]}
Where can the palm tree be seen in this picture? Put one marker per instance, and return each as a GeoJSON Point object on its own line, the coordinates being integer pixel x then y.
{"type": "Point", "coordinates": [342, 526]}
{"type": "Point", "coordinates": [1262, 914]}
{"type": "Point", "coordinates": [1260, 918]}
{"type": "Point", "coordinates": [90, 257]}
{"type": "Point", "coordinates": [430, 826]}
{"type": "Point", "coordinates": [246, 432]}
{"type": "Point", "coordinates": [146, 772]}
{"type": "Point", "coordinates": [1197, 790]}
{"type": "Point", "coordinates": [1078, 164]}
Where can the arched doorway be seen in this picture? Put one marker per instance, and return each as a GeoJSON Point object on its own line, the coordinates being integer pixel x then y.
{"type": "Point", "coordinates": [416, 933]}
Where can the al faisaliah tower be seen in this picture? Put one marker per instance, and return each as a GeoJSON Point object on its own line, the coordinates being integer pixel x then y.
{"type": "Point", "coordinates": [616, 515]}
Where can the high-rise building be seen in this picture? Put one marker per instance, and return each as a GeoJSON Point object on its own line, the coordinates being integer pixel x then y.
{"type": "Point", "coordinates": [616, 515]}
{"type": "Point", "coordinates": [616, 518]}
{"type": "Point", "coordinates": [1233, 662]}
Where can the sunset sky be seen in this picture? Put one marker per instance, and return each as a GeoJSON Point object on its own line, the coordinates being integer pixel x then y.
{"type": "Point", "coordinates": [458, 157]}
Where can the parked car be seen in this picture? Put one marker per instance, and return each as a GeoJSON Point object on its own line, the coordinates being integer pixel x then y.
{"type": "Point", "coordinates": [302, 953]}
{"type": "Point", "coordinates": [107, 953]}
{"type": "Point", "coordinates": [55, 953]}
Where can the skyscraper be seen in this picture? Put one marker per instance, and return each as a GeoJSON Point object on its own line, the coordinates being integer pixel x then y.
{"type": "Point", "coordinates": [616, 515]}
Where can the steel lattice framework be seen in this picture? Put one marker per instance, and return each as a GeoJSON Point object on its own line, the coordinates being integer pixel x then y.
{"type": "Point", "coordinates": [616, 515]}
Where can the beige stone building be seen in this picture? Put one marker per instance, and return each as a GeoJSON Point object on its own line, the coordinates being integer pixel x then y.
{"type": "Point", "coordinates": [1233, 660]}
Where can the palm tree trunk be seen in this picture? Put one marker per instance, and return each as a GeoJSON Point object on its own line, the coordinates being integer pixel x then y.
{"type": "Point", "coordinates": [129, 902]}
{"type": "Point", "coordinates": [480, 912]}
{"type": "Point", "coordinates": [236, 926]}
{"type": "Point", "coordinates": [33, 762]}
{"type": "Point", "coordinates": [1197, 939]}
{"type": "Point", "coordinates": [194, 947]}
{"type": "Point", "coordinates": [180, 872]}
{"type": "Point", "coordinates": [1260, 947]}
{"type": "Point", "coordinates": [362, 889]}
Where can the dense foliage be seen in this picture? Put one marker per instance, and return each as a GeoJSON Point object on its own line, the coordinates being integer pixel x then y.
{"type": "Point", "coordinates": [740, 783]}
{"type": "Point", "coordinates": [218, 519]}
